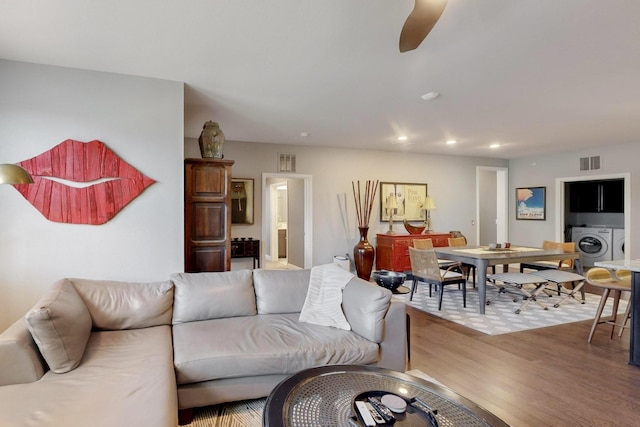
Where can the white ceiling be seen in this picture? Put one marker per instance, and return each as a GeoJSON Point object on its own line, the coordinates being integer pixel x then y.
{"type": "Point", "coordinates": [536, 76]}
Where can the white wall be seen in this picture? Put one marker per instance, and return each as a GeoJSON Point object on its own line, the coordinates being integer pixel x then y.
{"type": "Point", "coordinates": [139, 119]}
{"type": "Point", "coordinates": [451, 183]}
{"type": "Point", "coordinates": [543, 171]}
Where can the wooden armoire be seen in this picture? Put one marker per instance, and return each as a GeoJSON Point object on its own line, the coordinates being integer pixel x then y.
{"type": "Point", "coordinates": [207, 215]}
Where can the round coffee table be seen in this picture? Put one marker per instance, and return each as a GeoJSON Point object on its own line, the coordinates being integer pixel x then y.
{"type": "Point", "coordinates": [323, 397]}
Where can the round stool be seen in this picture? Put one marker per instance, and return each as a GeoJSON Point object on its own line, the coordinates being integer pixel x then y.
{"type": "Point", "coordinates": [601, 278]}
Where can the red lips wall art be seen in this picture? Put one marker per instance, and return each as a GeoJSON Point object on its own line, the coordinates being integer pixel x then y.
{"type": "Point", "coordinates": [82, 163]}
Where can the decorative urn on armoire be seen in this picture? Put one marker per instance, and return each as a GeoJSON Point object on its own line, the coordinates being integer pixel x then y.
{"type": "Point", "coordinates": [211, 141]}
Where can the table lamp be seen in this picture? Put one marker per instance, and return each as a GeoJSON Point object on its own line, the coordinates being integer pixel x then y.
{"type": "Point", "coordinates": [428, 206]}
{"type": "Point", "coordinates": [392, 205]}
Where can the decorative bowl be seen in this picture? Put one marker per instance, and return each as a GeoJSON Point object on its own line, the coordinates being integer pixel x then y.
{"type": "Point", "coordinates": [389, 279]}
{"type": "Point", "coordinates": [414, 229]}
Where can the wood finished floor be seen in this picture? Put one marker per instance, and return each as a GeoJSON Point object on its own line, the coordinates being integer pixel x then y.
{"type": "Point", "coordinates": [543, 377]}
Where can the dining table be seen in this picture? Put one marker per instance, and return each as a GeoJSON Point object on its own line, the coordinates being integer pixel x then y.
{"type": "Point", "coordinates": [483, 257]}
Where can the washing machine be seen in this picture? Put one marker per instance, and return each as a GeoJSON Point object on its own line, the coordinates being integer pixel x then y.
{"type": "Point", "coordinates": [618, 243]}
{"type": "Point", "coordinates": [595, 244]}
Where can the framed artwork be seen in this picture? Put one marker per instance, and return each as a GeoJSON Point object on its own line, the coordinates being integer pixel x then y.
{"type": "Point", "coordinates": [531, 203]}
{"type": "Point", "coordinates": [241, 201]}
{"type": "Point", "coordinates": [405, 199]}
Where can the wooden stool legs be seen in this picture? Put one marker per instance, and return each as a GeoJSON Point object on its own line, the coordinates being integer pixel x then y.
{"type": "Point", "coordinates": [614, 312]}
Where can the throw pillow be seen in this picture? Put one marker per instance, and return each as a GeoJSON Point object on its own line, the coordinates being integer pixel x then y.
{"type": "Point", "coordinates": [323, 305]}
{"type": "Point", "coordinates": [60, 325]}
{"type": "Point", "coordinates": [115, 305]}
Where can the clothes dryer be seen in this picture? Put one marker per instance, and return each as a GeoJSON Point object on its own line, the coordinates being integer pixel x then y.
{"type": "Point", "coordinates": [618, 243]}
{"type": "Point", "coordinates": [595, 244]}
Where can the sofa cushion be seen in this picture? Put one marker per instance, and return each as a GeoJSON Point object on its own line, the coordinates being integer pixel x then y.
{"type": "Point", "coordinates": [60, 325]}
{"type": "Point", "coordinates": [265, 344]}
{"type": "Point", "coordinates": [323, 305]}
{"type": "Point", "coordinates": [365, 306]}
{"type": "Point", "coordinates": [202, 296]}
{"type": "Point", "coordinates": [126, 305]}
{"type": "Point", "coordinates": [126, 378]}
{"type": "Point", "coordinates": [280, 291]}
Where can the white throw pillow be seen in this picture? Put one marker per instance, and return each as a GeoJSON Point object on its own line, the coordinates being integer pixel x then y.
{"type": "Point", "coordinates": [323, 305]}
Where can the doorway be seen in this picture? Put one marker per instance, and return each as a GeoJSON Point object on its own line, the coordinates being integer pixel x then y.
{"type": "Point", "coordinates": [287, 220]}
{"type": "Point", "coordinates": [562, 208]}
{"type": "Point", "coordinates": [492, 209]}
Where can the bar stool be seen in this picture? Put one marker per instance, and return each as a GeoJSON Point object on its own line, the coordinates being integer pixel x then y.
{"type": "Point", "coordinates": [624, 275]}
{"type": "Point", "coordinates": [601, 278]}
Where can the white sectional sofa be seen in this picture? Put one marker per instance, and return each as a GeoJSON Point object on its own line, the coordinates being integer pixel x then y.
{"type": "Point", "coordinates": [113, 353]}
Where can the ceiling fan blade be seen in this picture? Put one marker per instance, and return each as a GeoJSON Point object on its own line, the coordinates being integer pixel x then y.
{"type": "Point", "coordinates": [421, 20]}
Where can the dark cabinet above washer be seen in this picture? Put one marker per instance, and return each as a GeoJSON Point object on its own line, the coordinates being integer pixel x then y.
{"type": "Point", "coordinates": [605, 196]}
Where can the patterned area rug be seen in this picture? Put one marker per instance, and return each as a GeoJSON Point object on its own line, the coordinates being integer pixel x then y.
{"type": "Point", "coordinates": [500, 316]}
{"type": "Point", "coordinates": [248, 413]}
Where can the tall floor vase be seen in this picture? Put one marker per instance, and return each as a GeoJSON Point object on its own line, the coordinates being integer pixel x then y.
{"type": "Point", "coordinates": [363, 254]}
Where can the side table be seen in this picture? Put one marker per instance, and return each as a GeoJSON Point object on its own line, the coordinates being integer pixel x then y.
{"type": "Point", "coordinates": [323, 396]}
{"type": "Point", "coordinates": [246, 248]}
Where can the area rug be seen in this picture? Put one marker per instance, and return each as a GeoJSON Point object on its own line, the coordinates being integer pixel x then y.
{"type": "Point", "coordinates": [500, 316]}
{"type": "Point", "coordinates": [248, 413]}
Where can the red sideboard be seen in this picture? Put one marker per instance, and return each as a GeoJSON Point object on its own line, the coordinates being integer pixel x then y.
{"type": "Point", "coordinates": [392, 250]}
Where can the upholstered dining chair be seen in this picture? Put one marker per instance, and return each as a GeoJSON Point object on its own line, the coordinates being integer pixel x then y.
{"type": "Point", "coordinates": [425, 268]}
{"type": "Point", "coordinates": [558, 264]}
{"type": "Point", "coordinates": [468, 269]}
{"type": "Point", "coordinates": [602, 278]}
{"type": "Point", "coordinates": [428, 244]}
{"type": "Point", "coordinates": [423, 243]}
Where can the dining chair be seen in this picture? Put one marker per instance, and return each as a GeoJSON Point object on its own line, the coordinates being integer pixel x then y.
{"type": "Point", "coordinates": [559, 264]}
{"type": "Point", "coordinates": [428, 244]}
{"type": "Point", "coordinates": [425, 268]}
{"type": "Point", "coordinates": [602, 278]}
{"type": "Point", "coordinates": [468, 269]}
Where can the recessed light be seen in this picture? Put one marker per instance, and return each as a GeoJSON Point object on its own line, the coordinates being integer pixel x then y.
{"type": "Point", "coordinates": [430, 96]}
{"type": "Point", "coordinates": [451, 142]}
{"type": "Point", "coordinates": [304, 134]}
{"type": "Point", "coordinates": [494, 146]}
{"type": "Point", "coordinates": [402, 138]}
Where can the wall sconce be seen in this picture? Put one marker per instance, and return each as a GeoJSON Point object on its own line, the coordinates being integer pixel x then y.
{"type": "Point", "coordinates": [14, 174]}
{"type": "Point", "coordinates": [428, 206]}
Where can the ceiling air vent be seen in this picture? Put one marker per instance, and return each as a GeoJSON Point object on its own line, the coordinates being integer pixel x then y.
{"type": "Point", "coordinates": [595, 162]}
{"type": "Point", "coordinates": [584, 163]}
{"type": "Point", "coordinates": [286, 163]}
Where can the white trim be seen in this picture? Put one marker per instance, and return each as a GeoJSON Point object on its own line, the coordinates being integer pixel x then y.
{"type": "Point", "coordinates": [560, 205]}
{"type": "Point", "coordinates": [308, 211]}
{"type": "Point", "coordinates": [502, 196]}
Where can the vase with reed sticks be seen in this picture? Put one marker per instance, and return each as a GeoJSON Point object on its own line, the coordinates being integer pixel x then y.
{"type": "Point", "coordinates": [363, 255]}
{"type": "Point", "coordinates": [364, 252]}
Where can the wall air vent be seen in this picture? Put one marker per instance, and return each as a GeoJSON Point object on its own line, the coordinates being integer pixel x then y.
{"type": "Point", "coordinates": [286, 163]}
{"type": "Point", "coordinates": [584, 163]}
{"type": "Point", "coordinates": [595, 162]}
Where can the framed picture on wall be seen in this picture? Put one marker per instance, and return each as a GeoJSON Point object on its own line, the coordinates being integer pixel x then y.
{"type": "Point", "coordinates": [241, 201]}
{"type": "Point", "coordinates": [406, 200]}
{"type": "Point", "coordinates": [531, 203]}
